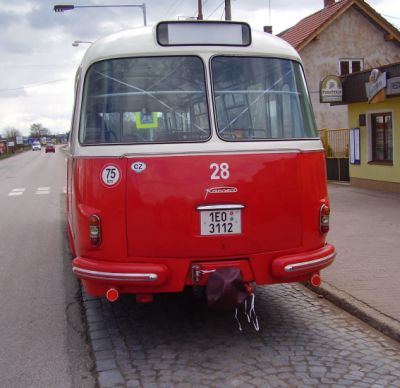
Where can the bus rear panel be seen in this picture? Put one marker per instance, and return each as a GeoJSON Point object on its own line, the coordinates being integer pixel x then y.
{"type": "Point", "coordinates": [191, 155]}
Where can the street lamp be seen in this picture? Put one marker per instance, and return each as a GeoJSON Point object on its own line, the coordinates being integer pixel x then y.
{"type": "Point", "coordinates": [69, 7]}
{"type": "Point", "coordinates": [76, 43]}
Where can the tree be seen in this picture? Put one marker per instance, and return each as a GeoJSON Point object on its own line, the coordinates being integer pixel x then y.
{"type": "Point", "coordinates": [11, 133]}
{"type": "Point", "coordinates": [38, 130]}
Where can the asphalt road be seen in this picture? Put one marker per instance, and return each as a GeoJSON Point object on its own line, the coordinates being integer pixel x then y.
{"type": "Point", "coordinates": [42, 334]}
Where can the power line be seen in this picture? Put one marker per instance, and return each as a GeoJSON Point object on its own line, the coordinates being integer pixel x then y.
{"type": "Point", "coordinates": [34, 85]}
{"type": "Point", "coordinates": [388, 16]}
{"type": "Point", "coordinates": [174, 7]}
{"type": "Point", "coordinates": [36, 66]}
{"type": "Point", "coordinates": [222, 14]}
{"type": "Point", "coordinates": [215, 10]}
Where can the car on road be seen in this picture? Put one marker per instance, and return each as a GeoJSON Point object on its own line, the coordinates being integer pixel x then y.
{"type": "Point", "coordinates": [50, 148]}
{"type": "Point", "coordinates": [36, 146]}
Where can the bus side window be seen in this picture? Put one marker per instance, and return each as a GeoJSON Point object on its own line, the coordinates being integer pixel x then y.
{"type": "Point", "coordinates": [111, 128]}
{"type": "Point", "coordinates": [94, 125]}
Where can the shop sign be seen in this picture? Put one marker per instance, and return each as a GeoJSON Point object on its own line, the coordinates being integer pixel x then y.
{"type": "Point", "coordinates": [331, 89]}
{"type": "Point", "coordinates": [375, 87]}
{"type": "Point", "coordinates": [393, 86]}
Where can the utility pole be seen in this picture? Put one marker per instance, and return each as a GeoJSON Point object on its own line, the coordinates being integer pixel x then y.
{"type": "Point", "coordinates": [228, 15]}
{"type": "Point", "coordinates": [200, 8]}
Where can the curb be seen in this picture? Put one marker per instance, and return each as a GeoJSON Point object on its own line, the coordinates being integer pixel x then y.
{"type": "Point", "coordinates": [359, 309]}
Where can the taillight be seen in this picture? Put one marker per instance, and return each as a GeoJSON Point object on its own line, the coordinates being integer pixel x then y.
{"type": "Point", "coordinates": [324, 218]}
{"type": "Point", "coordinates": [95, 230]}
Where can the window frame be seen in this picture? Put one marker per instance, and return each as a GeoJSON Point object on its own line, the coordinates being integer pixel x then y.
{"type": "Point", "coordinates": [374, 159]}
{"type": "Point", "coordinates": [350, 61]}
{"type": "Point", "coordinates": [121, 143]}
{"type": "Point", "coordinates": [268, 139]}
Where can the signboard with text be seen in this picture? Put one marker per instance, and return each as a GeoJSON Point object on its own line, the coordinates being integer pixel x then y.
{"type": "Point", "coordinates": [331, 89]}
{"type": "Point", "coordinates": [375, 88]}
{"type": "Point", "coordinates": [393, 86]}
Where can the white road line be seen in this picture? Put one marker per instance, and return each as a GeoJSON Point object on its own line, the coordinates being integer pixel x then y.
{"type": "Point", "coordinates": [43, 190]}
{"type": "Point", "coordinates": [39, 191]}
{"type": "Point", "coordinates": [15, 192]}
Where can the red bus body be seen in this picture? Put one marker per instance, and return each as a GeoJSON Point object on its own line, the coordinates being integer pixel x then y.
{"type": "Point", "coordinates": [154, 217]}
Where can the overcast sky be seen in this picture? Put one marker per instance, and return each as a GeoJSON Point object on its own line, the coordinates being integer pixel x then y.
{"type": "Point", "coordinates": [38, 61]}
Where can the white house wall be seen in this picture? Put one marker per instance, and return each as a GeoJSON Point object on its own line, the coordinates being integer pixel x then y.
{"type": "Point", "coordinates": [351, 35]}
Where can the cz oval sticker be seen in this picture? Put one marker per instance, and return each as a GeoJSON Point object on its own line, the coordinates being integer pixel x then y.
{"type": "Point", "coordinates": [138, 167]}
{"type": "Point", "coordinates": [110, 175]}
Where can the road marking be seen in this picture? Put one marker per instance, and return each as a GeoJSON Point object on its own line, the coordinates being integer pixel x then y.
{"type": "Point", "coordinates": [43, 190]}
{"type": "Point", "coordinates": [15, 192]}
{"type": "Point", "coordinates": [39, 191]}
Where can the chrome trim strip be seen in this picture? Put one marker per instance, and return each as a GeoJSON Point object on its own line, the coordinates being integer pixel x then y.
{"type": "Point", "coordinates": [220, 207]}
{"type": "Point", "coordinates": [309, 264]}
{"type": "Point", "coordinates": [211, 147]}
{"type": "Point", "coordinates": [133, 277]}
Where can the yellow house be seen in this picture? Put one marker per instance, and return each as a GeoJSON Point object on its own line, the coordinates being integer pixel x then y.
{"type": "Point", "coordinates": [373, 99]}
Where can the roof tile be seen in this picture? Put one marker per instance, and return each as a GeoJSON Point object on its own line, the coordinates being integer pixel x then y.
{"type": "Point", "coordinates": [297, 34]}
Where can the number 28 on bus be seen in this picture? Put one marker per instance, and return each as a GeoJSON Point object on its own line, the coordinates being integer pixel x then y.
{"type": "Point", "coordinates": [193, 148]}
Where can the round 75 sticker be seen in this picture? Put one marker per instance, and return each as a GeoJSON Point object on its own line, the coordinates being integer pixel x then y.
{"type": "Point", "coordinates": [110, 175]}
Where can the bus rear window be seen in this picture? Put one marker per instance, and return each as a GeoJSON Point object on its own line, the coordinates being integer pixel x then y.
{"type": "Point", "coordinates": [261, 99]}
{"type": "Point", "coordinates": [145, 100]}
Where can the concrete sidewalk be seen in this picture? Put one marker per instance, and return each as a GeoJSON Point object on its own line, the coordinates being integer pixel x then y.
{"type": "Point", "coordinates": [365, 276]}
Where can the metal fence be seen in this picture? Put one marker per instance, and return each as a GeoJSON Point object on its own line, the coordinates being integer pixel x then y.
{"type": "Point", "coordinates": [336, 144]}
{"type": "Point", "coordinates": [335, 141]}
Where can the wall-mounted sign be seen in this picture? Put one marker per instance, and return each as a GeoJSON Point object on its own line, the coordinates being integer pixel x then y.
{"type": "Point", "coordinates": [375, 88]}
{"type": "Point", "coordinates": [354, 143]}
{"type": "Point", "coordinates": [330, 89]}
{"type": "Point", "coordinates": [393, 86]}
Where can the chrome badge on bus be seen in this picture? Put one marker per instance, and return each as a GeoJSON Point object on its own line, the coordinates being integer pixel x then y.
{"type": "Point", "coordinates": [220, 190]}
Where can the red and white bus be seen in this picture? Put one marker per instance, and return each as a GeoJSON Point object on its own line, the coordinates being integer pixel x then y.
{"type": "Point", "coordinates": [193, 147]}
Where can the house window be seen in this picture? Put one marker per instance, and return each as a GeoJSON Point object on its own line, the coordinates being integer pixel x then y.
{"type": "Point", "coordinates": [348, 66]}
{"type": "Point", "coordinates": [382, 138]}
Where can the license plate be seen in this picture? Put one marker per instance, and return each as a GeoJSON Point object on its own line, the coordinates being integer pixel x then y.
{"type": "Point", "coordinates": [217, 222]}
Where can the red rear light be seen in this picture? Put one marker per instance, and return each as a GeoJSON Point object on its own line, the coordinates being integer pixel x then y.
{"type": "Point", "coordinates": [324, 218]}
{"type": "Point", "coordinates": [95, 230]}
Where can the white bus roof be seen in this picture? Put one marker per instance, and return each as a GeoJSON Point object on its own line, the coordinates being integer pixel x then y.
{"type": "Point", "coordinates": [143, 42]}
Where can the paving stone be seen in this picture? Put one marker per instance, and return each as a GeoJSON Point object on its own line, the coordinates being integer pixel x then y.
{"type": "Point", "coordinates": [133, 384]}
{"type": "Point", "coordinates": [101, 344]}
{"type": "Point", "coordinates": [110, 378]}
{"type": "Point", "coordinates": [104, 365]}
{"type": "Point", "coordinates": [104, 355]}
{"type": "Point", "coordinates": [98, 334]}
{"type": "Point", "coordinates": [304, 341]}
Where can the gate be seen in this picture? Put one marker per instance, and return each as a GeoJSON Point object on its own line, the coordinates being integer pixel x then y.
{"type": "Point", "coordinates": [336, 144]}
